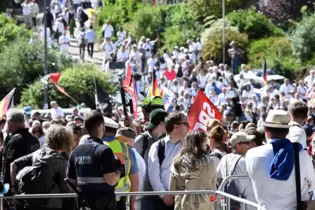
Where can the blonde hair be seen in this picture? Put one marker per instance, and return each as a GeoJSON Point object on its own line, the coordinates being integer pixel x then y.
{"type": "Point", "coordinates": [59, 137]}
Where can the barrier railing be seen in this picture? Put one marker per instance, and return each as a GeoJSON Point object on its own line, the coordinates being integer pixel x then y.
{"type": "Point", "coordinates": [128, 194]}
{"type": "Point", "coordinates": [226, 202]}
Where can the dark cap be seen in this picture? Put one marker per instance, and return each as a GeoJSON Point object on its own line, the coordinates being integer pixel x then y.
{"type": "Point", "coordinates": [127, 132]}
{"type": "Point", "coordinates": [156, 117]}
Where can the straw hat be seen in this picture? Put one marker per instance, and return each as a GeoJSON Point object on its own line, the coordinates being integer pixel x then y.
{"type": "Point", "coordinates": [277, 119]}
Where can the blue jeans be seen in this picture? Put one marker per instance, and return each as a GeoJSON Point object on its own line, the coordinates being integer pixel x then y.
{"type": "Point", "coordinates": [235, 65]}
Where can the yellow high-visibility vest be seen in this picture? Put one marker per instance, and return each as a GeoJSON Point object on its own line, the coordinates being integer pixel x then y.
{"type": "Point", "coordinates": [121, 151]}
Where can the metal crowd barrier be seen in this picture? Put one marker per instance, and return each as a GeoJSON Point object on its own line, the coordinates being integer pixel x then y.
{"type": "Point", "coordinates": [128, 194]}
{"type": "Point", "coordinates": [226, 201]}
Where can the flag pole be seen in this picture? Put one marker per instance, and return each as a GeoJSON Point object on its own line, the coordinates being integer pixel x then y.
{"type": "Point", "coordinates": [45, 56]}
{"type": "Point", "coordinates": [95, 91]}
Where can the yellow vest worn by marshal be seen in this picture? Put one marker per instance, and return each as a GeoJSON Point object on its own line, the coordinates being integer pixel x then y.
{"type": "Point", "coordinates": [121, 151]}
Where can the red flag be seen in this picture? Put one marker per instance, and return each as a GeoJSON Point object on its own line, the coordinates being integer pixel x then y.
{"type": "Point", "coordinates": [54, 77]}
{"type": "Point", "coordinates": [201, 111]}
{"type": "Point", "coordinates": [127, 80]}
{"type": "Point", "coordinates": [5, 103]}
{"type": "Point", "coordinates": [62, 90]}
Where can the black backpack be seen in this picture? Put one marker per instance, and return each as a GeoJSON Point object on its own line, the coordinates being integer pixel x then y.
{"type": "Point", "coordinates": [161, 147]}
{"type": "Point", "coordinates": [32, 180]}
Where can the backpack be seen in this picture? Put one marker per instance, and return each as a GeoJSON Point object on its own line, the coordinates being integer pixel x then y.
{"type": "Point", "coordinates": [82, 40]}
{"type": "Point", "coordinates": [231, 187]}
{"type": "Point", "coordinates": [217, 155]}
{"type": "Point", "coordinates": [32, 180]}
{"type": "Point", "coordinates": [161, 147]}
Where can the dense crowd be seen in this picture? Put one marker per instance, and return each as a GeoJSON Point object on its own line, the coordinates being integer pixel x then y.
{"type": "Point", "coordinates": [266, 126]}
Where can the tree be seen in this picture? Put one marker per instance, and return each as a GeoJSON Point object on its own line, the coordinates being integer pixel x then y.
{"type": "Point", "coordinates": [22, 63]}
{"type": "Point", "coordinates": [78, 81]}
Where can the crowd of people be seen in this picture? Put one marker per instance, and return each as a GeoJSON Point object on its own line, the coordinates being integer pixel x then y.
{"type": "Point", "coordinates": [262, 134]}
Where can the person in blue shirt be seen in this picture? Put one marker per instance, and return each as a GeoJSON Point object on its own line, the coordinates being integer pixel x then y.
{"type": "Point", "coordinates": [129, 181]}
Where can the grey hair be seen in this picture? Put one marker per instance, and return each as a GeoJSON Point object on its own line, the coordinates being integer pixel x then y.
{"type": "Point", "coordinates": [15, 116]}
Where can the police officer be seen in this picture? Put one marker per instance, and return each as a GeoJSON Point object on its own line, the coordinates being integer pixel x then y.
{"type": "Point", "coordinates": [129, 180]}
{"type": "Point", "coordinates": [93, 167]}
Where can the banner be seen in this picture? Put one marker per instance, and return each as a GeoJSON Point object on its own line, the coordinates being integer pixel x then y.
{"type": "Point", "coordinates": [201, 111]}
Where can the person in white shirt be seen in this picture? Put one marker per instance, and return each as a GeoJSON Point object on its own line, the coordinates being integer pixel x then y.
{"type": "Point", "coordinates": [151, 63]}
{"type": "Point", "coordinates": [108, 48]}
{"type": "Point", "coordinates": [286, 88]}
{"type": "Point", "coordinates": [122, 54]}
{"type": "Point", "coordinates": [301, 89]}
{"type": "Point", "coordinates": [121, 35]}
{"type": "Point", "coordinates": [234, 164]}
{"type": "Point", "coordinates": [148, 47]}
{"type": "Point", "coordinates": [64, 43]}
{"type": "Point", "coordinates": [298, 111]}
{"type": "Point", "coordinates": [55, 110]}
{"type": "Point", "coordinates": [271, 166]}
{"type": "Point", "coordinates": [222, 97]}
{"type": "Point", "coordinates": [91, 37]}
{"type": "Point", "coordinates": [59, 27]}
{"type": "Point", "coordinates": [310, 80]}
{"type": "Point", "coordinates": [35, 11]}
{"type": "Point", "coordinates": [135, 55]}
{"type": "Point", "coordinates": [108, 30]}
{"type": "Point", "coordinates": [199, 48]}
{"type": "Point", "coordinates": [27, 8]}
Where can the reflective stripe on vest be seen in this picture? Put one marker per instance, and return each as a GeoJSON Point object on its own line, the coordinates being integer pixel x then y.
{"type": "Point", "coordinates": [122, 152]}
{"type": "Point", "coordinates": [91, 180]}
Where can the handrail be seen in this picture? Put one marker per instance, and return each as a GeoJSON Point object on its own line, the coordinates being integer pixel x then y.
{"type": "Point", "coordinates": [228, 178]}
{"type": "Point", "coordinates": [192, 192]}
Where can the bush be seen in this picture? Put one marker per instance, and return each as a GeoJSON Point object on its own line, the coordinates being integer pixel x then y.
{"type": "Point", "coordinates": [78, 82]}
{"type": "Point", "coordinates": [272, 48]}
{"type": "Point", "coordinates": [254, 24]}
{"type": "Point", "coordinates": [10, 31]}
{"type": "Point", "coordinates": [23, 63]}
{"type": "Point", "coordinates": [206, 8]}
{"type": "Point", "coordinates": [213, 44]}
{"type": "Point", "coordinates": [303, 39]}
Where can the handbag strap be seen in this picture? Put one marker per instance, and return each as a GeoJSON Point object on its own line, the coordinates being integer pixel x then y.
{"type": "Point", "coordinates": [297, 176]}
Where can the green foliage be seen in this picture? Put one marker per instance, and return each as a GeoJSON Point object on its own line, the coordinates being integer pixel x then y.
{"type": "Point", "coordinates": [146, 20]}
{"type": "Point", "coordinates": [213, 44]}
{"type": "Point", "coordinates": [119, 14]}
{"type": "Point", "coordinates": [303, 38]}
{"type": "Point", "coordinates": [273, 48]}
{"type": "Point", "coordinates": [22, 63]}
{"type": "Point", "coordinates": [78, 81]}
{"type": "Point", "coordinates": [206, 8]}
{"type": "Point", "coordinates": [253, 23]}
{"type": "Point", "coordinates": [9, 31]}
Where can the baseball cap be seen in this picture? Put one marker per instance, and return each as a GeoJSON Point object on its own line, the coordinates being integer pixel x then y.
{"type": "Point", "coordinates": [240, 137]}
{"type": "Point", "coordinates": [127, 132]}
{"type": "Point", "coordinates": [156, 117]}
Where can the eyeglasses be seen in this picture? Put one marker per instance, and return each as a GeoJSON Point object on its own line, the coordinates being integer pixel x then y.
{"type": "Point", "coordinates": [183, 123]}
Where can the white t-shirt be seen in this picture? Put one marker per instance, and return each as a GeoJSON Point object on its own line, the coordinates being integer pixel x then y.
{"type": "Point", "coordinates": [202, 79]}
{"type": "Point", "coordinates": [65, 40]}
{"type": "Point", "coordinates": [286, 89]}
{"type": "Point", "coordinates": [122, 56]}
{"type": "Point", "coordinates": [121, 35]}
{"type": "Point", "coordinates": [275, 194]}
{"type": "Point", "coordinates": [60, 27]}
{"type": "Point", "coordinates": [108, 31]}
{"type": "Point", "coordinates": [151, 63]}
{"type": "Point", "coordinates": [27, 8]}
{"type": "Point", "coordinates": [57, 112]}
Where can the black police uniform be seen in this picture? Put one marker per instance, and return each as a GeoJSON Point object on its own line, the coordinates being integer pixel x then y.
{"type": "Point", "coordinates": [87, 164]}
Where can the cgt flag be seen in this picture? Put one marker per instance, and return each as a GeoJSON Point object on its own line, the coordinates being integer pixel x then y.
{"type": "Point", "coordinates": [201, 111]}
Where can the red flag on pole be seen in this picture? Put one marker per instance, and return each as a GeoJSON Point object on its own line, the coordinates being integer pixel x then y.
{"type": "Point", "coordinates": [62, 90]}
{"type": "Point", "coordinates": [201, 111]}
{"type": "Point", "coordinates": [5, 103]}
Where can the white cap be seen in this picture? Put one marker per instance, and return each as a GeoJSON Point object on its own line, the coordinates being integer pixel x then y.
{"type": "Point", "coordinates": [110, 123]}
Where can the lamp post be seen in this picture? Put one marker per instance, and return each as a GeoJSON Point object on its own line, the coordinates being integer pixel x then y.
{"type": "Point", "coordinates": [223, 31]}
{"type": "Point", "coordinates": [45, 56]}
